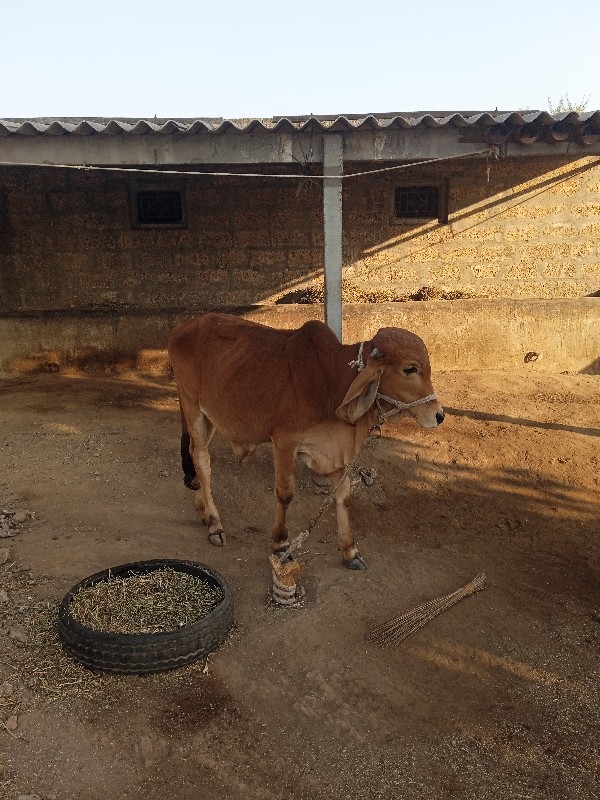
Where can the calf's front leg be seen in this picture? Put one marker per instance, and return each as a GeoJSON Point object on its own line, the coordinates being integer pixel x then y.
{"type": "Point", "coordinates": [341, 493]}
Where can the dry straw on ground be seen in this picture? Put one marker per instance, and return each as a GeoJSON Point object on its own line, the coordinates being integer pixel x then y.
{"type": "Point", "coordinates": [353, 293]}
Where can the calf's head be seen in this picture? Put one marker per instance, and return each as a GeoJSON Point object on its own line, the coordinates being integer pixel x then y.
{"type": "Point", "coordinates": [397, 367]}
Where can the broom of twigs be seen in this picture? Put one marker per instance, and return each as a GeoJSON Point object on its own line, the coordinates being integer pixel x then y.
{"type": "Point", "coordinates": [397, 629]}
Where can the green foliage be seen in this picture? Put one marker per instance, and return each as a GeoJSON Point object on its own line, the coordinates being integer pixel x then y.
{"type": "Point", "coordinates": [565, 104]}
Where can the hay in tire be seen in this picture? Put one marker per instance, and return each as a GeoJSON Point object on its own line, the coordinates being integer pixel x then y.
{"type": "Point", "coordinates": [145, 635]}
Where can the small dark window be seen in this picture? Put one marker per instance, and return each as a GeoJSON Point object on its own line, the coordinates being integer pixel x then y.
{"type": "Point", "coordinates": [159, 208]}
{"type": "Point", "coordinates": [422, 202]}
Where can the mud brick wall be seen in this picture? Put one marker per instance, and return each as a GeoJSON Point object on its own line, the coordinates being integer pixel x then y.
{"type": "Point", "coordinates": [520, 227]}
{"type": "Point", "coordinates": [67, 241]}
{"type": "Point", "coordinates": [517, 228]}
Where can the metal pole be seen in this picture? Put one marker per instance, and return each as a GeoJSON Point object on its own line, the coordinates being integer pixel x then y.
{"type": "Point", "coordinates": [332, 219]}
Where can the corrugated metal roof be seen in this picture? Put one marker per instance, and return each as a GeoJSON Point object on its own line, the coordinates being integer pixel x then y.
{"type": "Point", "coordinates": [90, 126]}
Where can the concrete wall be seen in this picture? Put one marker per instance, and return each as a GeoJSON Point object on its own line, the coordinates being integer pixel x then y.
{"type": "Point", "coordinates": [564, 335]}
{"type": "Point", "coordinates": [518, 227]}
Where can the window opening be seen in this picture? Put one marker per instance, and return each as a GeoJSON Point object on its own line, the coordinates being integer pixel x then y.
{"type": "Point", "coordinates": [412, 202]}
{"type": "Point", "coordinates": [157, 207]}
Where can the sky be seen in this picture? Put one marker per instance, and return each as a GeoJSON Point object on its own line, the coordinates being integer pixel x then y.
{"type": "Point", "coordinates": [234, 59]}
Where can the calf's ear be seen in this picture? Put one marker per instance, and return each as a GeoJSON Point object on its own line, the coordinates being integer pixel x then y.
{"type": "Point", "coordinates": [361, 394]}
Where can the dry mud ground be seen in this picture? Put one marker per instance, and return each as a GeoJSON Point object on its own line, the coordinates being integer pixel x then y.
{"type": "Point", "coordinates": [496, 698]}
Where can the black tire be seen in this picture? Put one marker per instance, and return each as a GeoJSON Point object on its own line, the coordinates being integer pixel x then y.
{"type": "Point", "coordinates": [146, 652]}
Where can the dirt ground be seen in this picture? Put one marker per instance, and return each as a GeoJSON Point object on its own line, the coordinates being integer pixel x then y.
{"type": "Point", "coordinates": [496, 698]}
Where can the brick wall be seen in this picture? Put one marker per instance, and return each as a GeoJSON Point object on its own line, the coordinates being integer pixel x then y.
{"type": "Point", "coordinates": [529, 227]}
{"type": "Point", "coordinates": [66, 241]}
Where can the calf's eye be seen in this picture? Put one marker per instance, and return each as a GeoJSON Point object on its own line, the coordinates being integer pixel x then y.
{"type": "Point", "coordinates": [410, 370]}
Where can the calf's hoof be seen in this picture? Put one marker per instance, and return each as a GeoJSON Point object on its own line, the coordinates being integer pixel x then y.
{"type": "Point", "coordinates": [217, 538]}
{"type": "Point", "coordinates": [356, 563]}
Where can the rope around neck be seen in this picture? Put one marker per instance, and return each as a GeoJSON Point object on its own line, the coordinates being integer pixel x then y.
{"type": "Point", "coordinates": [358, 363]}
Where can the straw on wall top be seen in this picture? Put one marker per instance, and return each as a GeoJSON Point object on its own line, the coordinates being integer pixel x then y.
{"type": "Point", "coordinates": [397, 629]}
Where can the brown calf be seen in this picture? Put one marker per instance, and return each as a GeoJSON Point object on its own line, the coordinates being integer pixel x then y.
{"type": "Point", "coordinates": [300, 389]}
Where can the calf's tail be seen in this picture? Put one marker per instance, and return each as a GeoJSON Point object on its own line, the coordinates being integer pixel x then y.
{"type": "Point", "coordinates": [187, 464]}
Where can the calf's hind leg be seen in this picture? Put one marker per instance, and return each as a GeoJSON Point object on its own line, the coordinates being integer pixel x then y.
{"type": "Point", "coordinates": [201, 432]}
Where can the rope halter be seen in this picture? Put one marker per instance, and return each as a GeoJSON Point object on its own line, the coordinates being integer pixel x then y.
{"type": "Point", "coordinates": [398, 405]}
